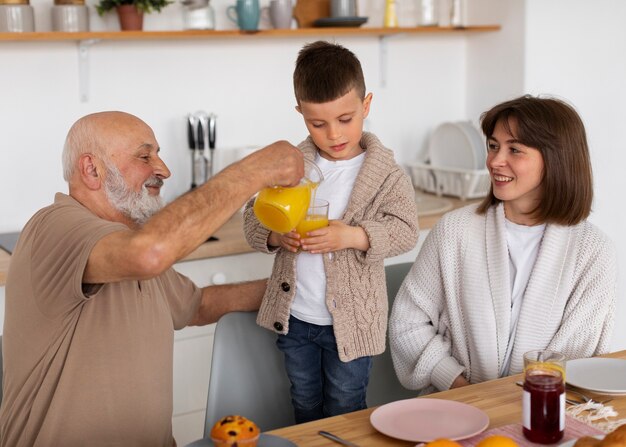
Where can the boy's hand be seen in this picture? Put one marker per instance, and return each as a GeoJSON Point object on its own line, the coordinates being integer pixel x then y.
{"type": "Point", "coordinates": [336, 236]}
{"type": "Point", "coordinates": [288, 241]}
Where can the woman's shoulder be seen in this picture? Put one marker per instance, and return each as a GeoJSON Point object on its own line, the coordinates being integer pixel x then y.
{"type": "Point", "coordinates": [459, 217]}
{"type": "Point", "coordinates": [590, 237]}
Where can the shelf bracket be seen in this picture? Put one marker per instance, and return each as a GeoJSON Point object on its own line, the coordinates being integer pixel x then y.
{"type": "Point", "coordinates": [382, 60]}
{"type": "Point", "coordinates": [383, 57]}
{"type": "Point", "coordinates": [83, 68]}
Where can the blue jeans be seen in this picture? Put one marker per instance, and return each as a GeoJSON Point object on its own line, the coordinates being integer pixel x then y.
{"type": "Point", "coordinates": [321, 384]}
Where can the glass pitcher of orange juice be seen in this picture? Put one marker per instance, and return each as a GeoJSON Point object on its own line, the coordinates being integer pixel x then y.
{"type": "Point", "coordinates": [280, 209]}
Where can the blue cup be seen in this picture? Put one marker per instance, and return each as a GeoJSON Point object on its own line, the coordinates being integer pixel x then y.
{"type": "Point", "coordinates": [245, 14]}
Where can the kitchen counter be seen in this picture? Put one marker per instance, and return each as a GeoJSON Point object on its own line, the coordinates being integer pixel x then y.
{"type": "Point", "coordinates": [231, 240]}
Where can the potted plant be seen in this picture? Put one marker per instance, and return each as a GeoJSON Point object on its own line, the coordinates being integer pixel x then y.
{"type": "Point", "coordinates": [130, 12]}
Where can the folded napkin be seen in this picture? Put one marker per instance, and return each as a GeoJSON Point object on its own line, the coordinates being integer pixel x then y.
{"type": "Point", "coordinates": [596, 414]}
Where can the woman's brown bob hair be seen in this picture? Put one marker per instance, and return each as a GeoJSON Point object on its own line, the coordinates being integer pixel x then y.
{"type": "Point", "coordinates": [555, 129]}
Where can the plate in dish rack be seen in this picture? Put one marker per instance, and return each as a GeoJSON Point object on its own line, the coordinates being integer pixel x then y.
{"type": "Point", "coordinates": [423, 420]}
{"type": "Point", "coordinates": [457, 145]}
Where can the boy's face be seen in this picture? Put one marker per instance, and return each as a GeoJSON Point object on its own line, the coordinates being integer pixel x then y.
{"type": "Point", "coordinates": [336, 126]}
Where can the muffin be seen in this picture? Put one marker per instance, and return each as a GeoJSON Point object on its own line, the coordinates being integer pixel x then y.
{"type": "Point", "coordinates": [235, 431]}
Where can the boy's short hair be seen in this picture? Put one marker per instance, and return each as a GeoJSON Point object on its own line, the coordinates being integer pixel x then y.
{"type": "Point", "coordinates": [556, 130]}
{"type": "Point", "coordinates": [326, 71]}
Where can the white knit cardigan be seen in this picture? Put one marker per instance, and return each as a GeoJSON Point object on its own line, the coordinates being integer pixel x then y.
{"type": "Point", "coordinates": [452, 313]}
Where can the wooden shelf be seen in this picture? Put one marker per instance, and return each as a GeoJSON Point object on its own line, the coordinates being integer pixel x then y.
{"type": "Point", "coordinates": [212, 34]}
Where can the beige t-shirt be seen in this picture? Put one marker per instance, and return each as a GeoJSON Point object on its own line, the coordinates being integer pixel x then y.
{"type": "Point", "coordinates": [86, 369]}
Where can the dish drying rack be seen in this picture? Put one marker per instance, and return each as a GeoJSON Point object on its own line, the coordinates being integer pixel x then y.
{"type": "Point", "coordinates": [462, 183]}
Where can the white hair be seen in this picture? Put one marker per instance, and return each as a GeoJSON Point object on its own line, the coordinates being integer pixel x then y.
{"type": "Point", "coordinates": [81, 139]}
{"type": "Point", "coordinates": [139, 206]}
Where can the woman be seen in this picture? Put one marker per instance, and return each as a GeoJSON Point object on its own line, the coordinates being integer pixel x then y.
{"type": "Point", "coordinates": [522, 270]}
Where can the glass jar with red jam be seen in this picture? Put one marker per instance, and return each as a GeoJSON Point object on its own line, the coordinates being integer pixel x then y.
{"type": "Point", "coordinates": [543, 402]}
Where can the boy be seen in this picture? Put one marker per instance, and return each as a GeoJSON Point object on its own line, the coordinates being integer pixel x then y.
{"type": "Point", "coordinates": [327, 297]}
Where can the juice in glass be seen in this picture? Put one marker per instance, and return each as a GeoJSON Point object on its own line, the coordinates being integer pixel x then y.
{"type": "Point", "coordinates": [316, 217]}
{"type": "Point", "coordinates": [543, 401]}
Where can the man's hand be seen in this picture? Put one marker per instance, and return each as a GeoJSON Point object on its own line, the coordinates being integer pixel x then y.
{"type": "Point", "coordinates": [336, 236]}
{"type": "Point", "coordinates": [279, 164]}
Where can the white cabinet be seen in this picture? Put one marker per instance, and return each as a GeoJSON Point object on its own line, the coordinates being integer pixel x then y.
{"type": "Point", "coordinates": [193, 345]}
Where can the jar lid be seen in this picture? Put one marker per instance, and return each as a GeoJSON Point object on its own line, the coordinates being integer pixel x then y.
{"type": "Point", "coordinates": [14, 2]}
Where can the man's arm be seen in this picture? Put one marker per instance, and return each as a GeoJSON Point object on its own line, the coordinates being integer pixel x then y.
{"type": "Point", "coordinates": [219, 300]}
{"type": "Point", "coordinates": [187, 222]}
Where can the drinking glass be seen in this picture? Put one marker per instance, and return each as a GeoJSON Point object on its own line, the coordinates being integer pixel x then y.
{"type": "Point", "coordinates": [316, 217]}
{"type": "Point", "coordinates": [543, 403]}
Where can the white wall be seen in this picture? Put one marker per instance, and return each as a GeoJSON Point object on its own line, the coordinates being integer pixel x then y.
{"type": "Point", "coordinates": [575, 49]}
{"type": "Point", "coordinates": [572, 48]}
{"type": "Point", "coordinates": [246, 81]}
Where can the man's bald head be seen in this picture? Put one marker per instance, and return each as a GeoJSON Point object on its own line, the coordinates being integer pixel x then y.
{"type": "Point", "coordinates": [95, 134]}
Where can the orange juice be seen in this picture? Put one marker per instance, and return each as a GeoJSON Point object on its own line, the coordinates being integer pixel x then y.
{"type": "Point", "coordinates": [311, 222]}
{"type": "Point", "coordinates": [281, 209]}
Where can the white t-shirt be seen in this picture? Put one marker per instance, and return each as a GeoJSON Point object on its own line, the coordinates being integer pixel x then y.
{"type": "Point", "coordinates": [309, 303]}
{"type": "Point", "coordinates": [523, 243]}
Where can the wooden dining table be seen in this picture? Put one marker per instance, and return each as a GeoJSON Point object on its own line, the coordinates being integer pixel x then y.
{"type": "Point", "coordinates": [501, 399]}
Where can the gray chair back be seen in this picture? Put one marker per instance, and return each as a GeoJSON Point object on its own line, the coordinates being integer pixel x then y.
{"type": "Point", "coordinates": [247, 375]}
{"type": "Point", "coordinates": [384, 386]}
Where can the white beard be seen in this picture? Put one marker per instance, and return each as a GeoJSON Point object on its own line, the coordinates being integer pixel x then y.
{"type": "Point", "coordinates": [138, 206]}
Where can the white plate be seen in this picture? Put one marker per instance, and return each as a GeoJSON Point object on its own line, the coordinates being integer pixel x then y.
{"type": "Point", "coordinates": [571, 442]}
{"type": "Point", "coordinates": [600, 375]}
{"type": "Point", "coordinates": [428, 419]}
{"type": "Point", "coordinates": [457, 145]}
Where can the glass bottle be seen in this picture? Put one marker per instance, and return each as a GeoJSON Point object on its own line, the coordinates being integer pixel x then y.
{"type": "Point", "coordinates": [543, 402]}
{"type": "Point", "coordinates": [391, 14]}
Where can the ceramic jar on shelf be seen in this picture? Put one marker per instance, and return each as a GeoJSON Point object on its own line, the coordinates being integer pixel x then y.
{"type": "Point", "coordinates": [16, 16]}
{"type": "Point", "coordinates": [70, 16]}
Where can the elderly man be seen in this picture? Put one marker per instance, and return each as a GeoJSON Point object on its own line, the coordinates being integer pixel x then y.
{"type": "Point", "coordinates": [91, 299]}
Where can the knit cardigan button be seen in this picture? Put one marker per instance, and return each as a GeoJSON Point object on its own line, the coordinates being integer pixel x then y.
{"type": "Point", "coordinates": [285, 286]}
{"type": "Point", "coordinates": [278, 326]}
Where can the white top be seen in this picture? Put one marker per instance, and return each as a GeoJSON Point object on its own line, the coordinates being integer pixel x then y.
{"type": "Point", "coordinates": [452, 314]}
{"type": "Point", "coordinates": [523, 243]}
{"type": "Point", "coordinates": [309, 303]}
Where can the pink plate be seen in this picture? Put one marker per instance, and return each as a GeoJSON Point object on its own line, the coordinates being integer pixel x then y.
{"type": "Point", "coordinates": [428, 419]}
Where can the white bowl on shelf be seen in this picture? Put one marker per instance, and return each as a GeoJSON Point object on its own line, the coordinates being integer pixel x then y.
{"type": "Point", "coordinates": [457, 145]}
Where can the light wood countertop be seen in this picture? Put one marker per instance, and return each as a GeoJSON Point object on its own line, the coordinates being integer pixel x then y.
{"type": "Point", "coordinates": [231, 240]}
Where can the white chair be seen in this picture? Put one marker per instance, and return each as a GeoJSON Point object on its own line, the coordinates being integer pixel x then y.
{"type": "Point", "coordinates": [384, 386]}
{"type": "Point", "coordinates": [247, 376]}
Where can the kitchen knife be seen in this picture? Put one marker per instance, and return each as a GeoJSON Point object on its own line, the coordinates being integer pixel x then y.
{"type": "Point", "coordinates": [191, 137]}
{"type": "Point", "coordinates": [203, 152]}
{"type": "Point", "coordinates": [212, 136]}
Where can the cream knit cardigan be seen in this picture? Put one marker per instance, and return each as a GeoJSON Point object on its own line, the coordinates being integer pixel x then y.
{"type": "Point", "coordinates": [383, 204]}
{"type": "Point", "coordinates": [452, 313]}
